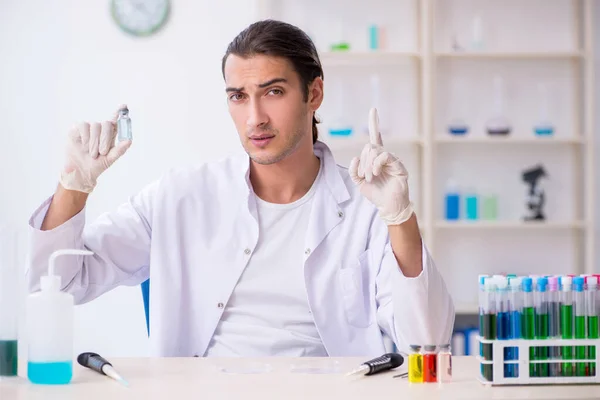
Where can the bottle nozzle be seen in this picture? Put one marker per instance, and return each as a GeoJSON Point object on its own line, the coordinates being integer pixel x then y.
{"type": "Point", "coordinates": [52, 282]}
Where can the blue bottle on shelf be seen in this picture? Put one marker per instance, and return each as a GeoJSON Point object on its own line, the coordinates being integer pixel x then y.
{"type": "Point", "coordinates": [452, 201]}
{"type": "Point", "coordinates": [373, 37]}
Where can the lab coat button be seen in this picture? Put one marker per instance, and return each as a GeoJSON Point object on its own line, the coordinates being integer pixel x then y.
{"type": "Point", "coordinates": [220, 305]}
{"type": "Point", "coordinates": [247, 251]}
{"type": "Point", "coordinates": [340, 214]}
{"type": "Point", "coordinates": [307, 251]}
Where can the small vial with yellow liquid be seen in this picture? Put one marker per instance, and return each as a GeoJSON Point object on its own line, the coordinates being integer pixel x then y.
{"type": "Point", "coordinates": [415, 365]}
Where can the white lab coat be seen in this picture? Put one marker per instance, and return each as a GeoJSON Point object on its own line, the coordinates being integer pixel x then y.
{"type": "Point", "coordinates": [192, 233]}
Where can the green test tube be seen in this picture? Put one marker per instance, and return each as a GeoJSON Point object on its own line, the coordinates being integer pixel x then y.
{"type": "Point", "coordinates": [482, 300]}
{"type": "Point", "coordinates": [528, 320]}
{"type": "Point", "coordinates": [591, 295]}
{"type": "Point", "coordinates": [566, 322]}
{"type": "Point", "coordinates": [554, 324]}
{"type": "Point", "coordinates": [541, 325]}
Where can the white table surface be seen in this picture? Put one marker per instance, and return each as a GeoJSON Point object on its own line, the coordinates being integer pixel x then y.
{"type": "Point", "coordinates": [203, 378]}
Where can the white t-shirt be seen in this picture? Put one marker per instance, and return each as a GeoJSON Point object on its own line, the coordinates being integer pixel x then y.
{"type": "Point", "coordinates": [268, 312]}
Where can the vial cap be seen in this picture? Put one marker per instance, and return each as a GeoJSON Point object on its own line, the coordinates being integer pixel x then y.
{"type": "Point", "coordinates": [415, 347]}
{"type": "Point", "coordinates": [502, 282]}
{"type": "Point", "coordinates": [553, 283]}
{"type": "Point", "coordinates": [482, 279]}
{"type": "Point", "coordinates": [578, 283]}
{"type": "Point", "coordinates": [527, 282]}
{"type": "Point", "coordinates": [541, 284]}
{"type": "Point", "coordinates": [430, 347]}
{"type": "Point", "coordinates": [566, 281]}
{"type": "Point", "coordinates": [515, 283]}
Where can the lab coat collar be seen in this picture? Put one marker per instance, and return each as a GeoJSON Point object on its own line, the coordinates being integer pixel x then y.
{"type": "Point", "coordinates": [331, 173]}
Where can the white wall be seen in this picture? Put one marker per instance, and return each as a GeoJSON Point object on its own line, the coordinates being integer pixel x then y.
{"type": "Point", "coordinates": [65, 61]}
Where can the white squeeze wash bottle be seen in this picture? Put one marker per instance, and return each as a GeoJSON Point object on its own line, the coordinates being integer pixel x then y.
{"type": "Point", "coordinates": [50, 329]}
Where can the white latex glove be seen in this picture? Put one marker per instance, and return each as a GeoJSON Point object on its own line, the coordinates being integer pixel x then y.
{"type": "Point", "coordinates": [382, 178]}
{"type": "Point", "coordinates": [90, 151]}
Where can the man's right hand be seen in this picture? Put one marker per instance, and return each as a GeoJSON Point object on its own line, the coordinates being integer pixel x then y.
{"type": "Point", "coordinates": [91, 149]}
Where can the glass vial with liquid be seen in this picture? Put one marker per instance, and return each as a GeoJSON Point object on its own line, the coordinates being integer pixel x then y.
{"type": "Point", "coordinates": [444, 364]}
{"type": "Point", "coordinates": [415, 364]}
{"type": "Point", "coordinates": [429, 364]}
{"type": "Point", "coordinates": [124, 125]}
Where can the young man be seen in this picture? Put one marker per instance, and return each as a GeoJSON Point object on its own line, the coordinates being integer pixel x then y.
{"type": "Point", "coordinates": [280, 252]}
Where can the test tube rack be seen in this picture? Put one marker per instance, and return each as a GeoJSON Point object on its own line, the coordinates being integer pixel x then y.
{"type": "Point", "coordinates": [522, 359]}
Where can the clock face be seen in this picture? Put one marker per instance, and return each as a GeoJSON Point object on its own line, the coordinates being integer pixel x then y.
{"type": "Point", "coordinates": [140, 17]}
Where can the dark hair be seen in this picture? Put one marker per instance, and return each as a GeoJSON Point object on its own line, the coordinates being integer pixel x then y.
{"type": "Point", "coordinates": [280, 39]}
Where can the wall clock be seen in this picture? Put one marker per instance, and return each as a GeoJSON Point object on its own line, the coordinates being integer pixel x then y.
{"type": "Point", "coordinates": [140, 17]}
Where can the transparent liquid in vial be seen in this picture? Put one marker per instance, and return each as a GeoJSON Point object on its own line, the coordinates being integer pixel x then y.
{"type": "Point", "coordinates": [124, 125]}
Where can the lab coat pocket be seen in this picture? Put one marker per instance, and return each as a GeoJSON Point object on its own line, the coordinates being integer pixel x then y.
{"type": "Point", "coordinates": [354, 281]}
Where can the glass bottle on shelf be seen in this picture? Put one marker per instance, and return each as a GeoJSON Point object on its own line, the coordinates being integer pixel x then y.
{"type": "Point", "coordinates": [543, 126]}
{"type": "Point", "coordinates": [458, 126]}
{"type": "Point", "coordinates": [339, 125]}
{"type": "Point", "coordinates": [340, 41]}
{"type": "Point", "coordinates": [498, 124]}
{"type": "Point", "coordinates": [377, 101]}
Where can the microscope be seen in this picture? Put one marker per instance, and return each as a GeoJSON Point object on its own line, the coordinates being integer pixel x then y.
{"type": "Point", "coordinates": [535, 196]}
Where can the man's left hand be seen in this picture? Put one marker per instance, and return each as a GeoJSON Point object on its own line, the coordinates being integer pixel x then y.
{"type": "Point", "coordinates": [382, 178]}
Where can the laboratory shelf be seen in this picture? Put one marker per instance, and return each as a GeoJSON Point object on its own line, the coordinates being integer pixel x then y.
{"type": "Point", "coordinates": [544, 55]}
{"type": "Point", "coordinates": [545, 140]}
{"type": "Point", "coordinates": [533, 225]}
{"type": "Point", "coordinates": [546, 47]}
{"type": "Point", "coordinates": [359, 140]}
{"type": "Point", "coordinates": [341, 58]}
